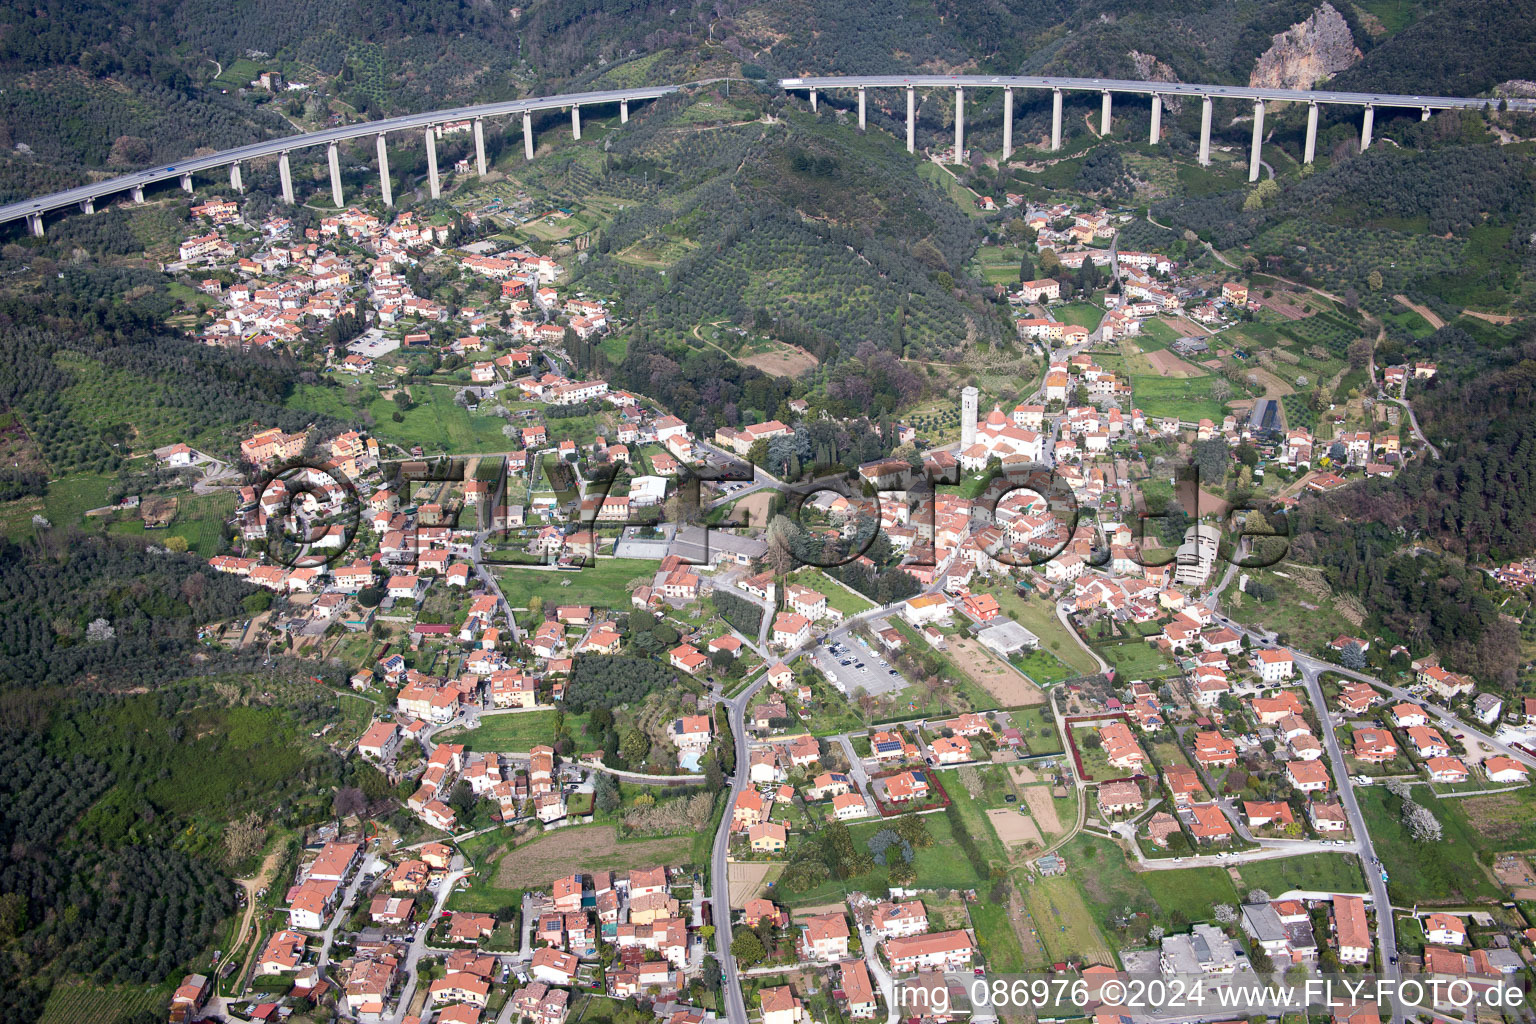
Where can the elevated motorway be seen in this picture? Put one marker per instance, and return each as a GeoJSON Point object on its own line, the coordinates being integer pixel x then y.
{"type": "Point", "coordinates": [85, 197]}
{"type": "Point", "coordinates": [1107, 87]}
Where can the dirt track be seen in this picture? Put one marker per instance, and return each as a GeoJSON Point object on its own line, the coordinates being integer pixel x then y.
{"type": "Point", "coordinates": [1428, 314]}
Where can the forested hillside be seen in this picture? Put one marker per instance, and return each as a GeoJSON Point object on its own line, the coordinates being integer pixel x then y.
{"type": "Point", "coordinates": [829, 238]}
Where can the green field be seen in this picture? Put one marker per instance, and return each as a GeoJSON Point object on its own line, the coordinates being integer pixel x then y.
{"type": "Point", "coordinates": [82, 1003]}
{"type": "Point", "coordinates": [1039, 617]}
{"type": "Point", "coordinates": [1063, 921]}
{"type": "Point", "coordinates": [1328, 872]}
{"type": "Point", "coordinates": [520, 731]}
{"type": "Point", "coordinates": [1136, 659]}
{"type": "Point", "coordinates": [604, 583]}
{"type": "Point", "coordinates": [1173, 898]}
{"type": "Point", "coordinates": [200, 520]}
{"type": "Point", "coordinates": [64, 504]}
{"type": "Point", "coordinates": [1041, 735]}
{"type": "Point", "coordinates": [838, 596]}
{"type": "Point", "coordinates": [435, 422]}
{"type": "Point", "coordinates": [938, 867]}
{"type": "Point", "coordinates": [1043, 667]}
{"type": "Point", "coordinates": [1080, 314]}
{"type": "Point", "coordinates": [1189, 399]}
{"type": "Point", "coordinates": [1436, 873]}
{"type": "Point", "coordinates": [994, 933]}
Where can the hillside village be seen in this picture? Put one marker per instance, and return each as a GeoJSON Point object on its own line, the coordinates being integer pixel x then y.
{"type": "Point", "coordinates": [1023, 615]}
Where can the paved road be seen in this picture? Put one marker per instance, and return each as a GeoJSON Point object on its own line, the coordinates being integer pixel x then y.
{"type": "Point", "coordinates": [1386, 939]}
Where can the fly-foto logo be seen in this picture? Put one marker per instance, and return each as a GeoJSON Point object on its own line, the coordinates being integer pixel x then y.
{"type": "Point", "coordinates": [1023, 515]}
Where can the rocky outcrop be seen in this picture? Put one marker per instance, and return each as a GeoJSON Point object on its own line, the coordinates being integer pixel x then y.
{"type": "Point", "coordinates": [1307, 53]}
{"type": "Point", "coordinates": [1150, 69]}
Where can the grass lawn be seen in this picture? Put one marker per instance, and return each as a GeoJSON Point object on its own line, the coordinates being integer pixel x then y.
{"type": "Point", "coordinates": [1080, 314]}
{"type": "Point", "coordinates": [604, 583]}
{"type": "Point", "coordinates": [1328, 872]}
{"type": "Point", "coordinates": [1043, 667]}
{"type": "Point", "coordinates": [939, 866]}
{"type": "Point", "coordinates": [436, 422]}
{"type": "Point", "coordinates": [1039, 617]}
{"type": "Point", "coordinates": [1302, 619]}
{"type": "Point", "coordinates": [838, 596]}
{"type": "Point", "coordinates": [995, 935]}
{"type": "Point", "coordinates": [1040, 733]}
{"type": "Point", "coordinates": [1437, 873]}
{"type": "Point", "coordinates": [1137, 660]}
{"type": "Point", "coordinates": [483, 894]}
{"type": "Point", "coordinates": [1096, 766]}
{"type": "Point", "coordinates": [65, 503]}
{"type": "Point", "coordinates": [521, 731]}
{"type": "Point", "coordinates": [1189, 398]}
{"type": "Point", "coordinates": [1186, 894]}
{"type": "Point", "coordinates": [199, 521]}
{"type": "Point", "coordinates": [1063, 921]}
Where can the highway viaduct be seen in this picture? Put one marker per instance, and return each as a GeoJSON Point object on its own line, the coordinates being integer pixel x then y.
{"type": "Point", "coordinates": [85, 197]}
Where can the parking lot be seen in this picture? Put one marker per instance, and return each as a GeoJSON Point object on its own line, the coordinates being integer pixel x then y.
{"type": "Point", "coordinates": [876, 677]}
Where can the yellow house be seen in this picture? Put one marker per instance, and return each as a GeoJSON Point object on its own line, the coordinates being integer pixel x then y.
{"type": "Point", "coordinates": [769, 837]}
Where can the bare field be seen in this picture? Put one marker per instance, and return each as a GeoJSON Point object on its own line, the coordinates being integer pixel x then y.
{"type": "Point", "coordinates": [1169, 365]}
{"type": "Point", "coordinates": [1042, 807]}
{"type": "Point", "coordinates": [1009, 687]}
{"type": "Point", "coordinates": [585, 849]}
{"type": "Point", "coordinates": [1014, 829]}
{"type": "Point", "coordinates": [1023, 774]}
{"type": "Point", "coordinates": [753, 509]}
{"type": "Point", "coordinates": [783, 361]}
{"type": "Point", "coordinates": [748, 881]}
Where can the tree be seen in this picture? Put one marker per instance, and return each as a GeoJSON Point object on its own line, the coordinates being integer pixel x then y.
{"type": "Point", "coordinates": [462, 799]}
{"type": "Point", "coordinates": [349, 800]}
{"type": "Point", "coordinates": [713, 975]}
{"type": "Point", "coordinates": [1352, 656]}
{"type": "Point", "coordinates": [747, 948]}
{"type": "Point", "coordinates": [606, 793]}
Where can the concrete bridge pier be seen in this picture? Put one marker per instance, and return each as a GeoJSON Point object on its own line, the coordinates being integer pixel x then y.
{"type": "Point", "coordinates": [285, 177]}
{"type": "Point", "coordinates": [87, 206]}
{"type": "Point", "coordinates": [1205, 131]}
{"type": "Point", "coordinates": [35, 224]}
{"type": "Point", "coordinates": [959, 124]}
{"type": "Point", "coordinates": [527, 136]}
{"type": "Point", "coordinates": [1055, 118]}
{"type": "Point", "coordinates": [137, 192]}
{"type": "Point", "coordinates": [1311, 148]}
{"type": "Point", "coordinates": [1007, 123]}
{"type": "Point", "coordinates": [576, 123]}
{"type": "Point", "coordinates": [186, 184]}
{"type": "Point", "coordinates": [861, 108]}
{"type": "Point", "coordinates": [385, 190]}
{"type": "Point", "coordinates": [813, 101]}
{"type": "Point", "coordinates": [1258, 140]}
{"type": "Point", "coordinates": [234, 177]}
{"type": "Point", "coordinates": [1424, 114]}
{"type": "Point", "coordinates": [480, 146]}
{"type": "Point", "coordinates": [1157, 117]}
{"type": "Point", "coordinates": [623, 111]}
{"type": "Point", "coordinates": [433, 185]}
{"type": "Point", "coordinates": [1365, 128]}
{"type": "Point", "coordinates": [911, 120]}
{"type": "Point", "coordinates": [333, 155]}
{"type": "Point", "coordinates": [1104, 114]}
